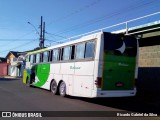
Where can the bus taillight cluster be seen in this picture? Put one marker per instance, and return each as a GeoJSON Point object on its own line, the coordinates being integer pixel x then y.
{"type": "Point", "coordinates": [98, 82]}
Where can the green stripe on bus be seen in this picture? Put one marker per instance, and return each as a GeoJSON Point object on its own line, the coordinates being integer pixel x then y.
{"type": "Point", "coordinates": [42, 73]}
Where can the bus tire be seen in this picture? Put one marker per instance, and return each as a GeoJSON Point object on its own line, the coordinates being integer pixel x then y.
{"type": "Point", "coordinates": [62, 89]}
{"type": "Point", "coordinates": [54, 87]}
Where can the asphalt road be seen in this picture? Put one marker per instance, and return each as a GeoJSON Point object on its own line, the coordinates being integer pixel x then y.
{"type": "Point", "coordinates": [15, 96]}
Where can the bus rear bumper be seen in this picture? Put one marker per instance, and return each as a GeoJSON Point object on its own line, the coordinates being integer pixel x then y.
{"type": "Point", "coordinates": [114, 93]}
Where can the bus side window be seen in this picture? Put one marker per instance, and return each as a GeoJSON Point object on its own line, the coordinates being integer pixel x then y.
{"type": "Point", "coordinates": [31, 58]}
{"type": "Point", "coordinates": [51, 55]}
{"type": "Point", "coordinates": [34, 58]}
{"type": "Point", "coordinates": [80, 48]}
{"type": "Point", "coordinates": [41, 57]}
{"type": "Point", "coordinates": [45, 56]}
{"type": "Point", "coordinates": [90, 48]}
{"type": "Point", "coordinates": [27, 58]}
{"type": "Point", "coordinates": [72, 52]}
{"type": "Point", "coordinates": [61, 53]}
{"type": "Point", "coordinates": [55, 54]}
{"type": "Point", "coordinates": [38, 58]}
{"type": "Point", "coordinates": [66, 53]}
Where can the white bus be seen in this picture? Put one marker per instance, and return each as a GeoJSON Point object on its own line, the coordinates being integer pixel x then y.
{"type": "Point", "coordinates": [97, 65]}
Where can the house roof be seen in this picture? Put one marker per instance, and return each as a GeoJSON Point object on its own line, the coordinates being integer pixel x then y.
{"type": "Point", "coordinates": [15, 53]}
{"type": "Point", "coordinates": [2, 59]}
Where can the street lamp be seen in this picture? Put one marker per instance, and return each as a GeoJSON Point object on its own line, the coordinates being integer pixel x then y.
{"type": "Point", "coordinates": [34, 27]}
{"type": "Point", "coordinates": [41, 34]}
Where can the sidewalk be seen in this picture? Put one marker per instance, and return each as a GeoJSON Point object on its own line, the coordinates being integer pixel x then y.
{"type": "Point", "coordinates": [12, 77]}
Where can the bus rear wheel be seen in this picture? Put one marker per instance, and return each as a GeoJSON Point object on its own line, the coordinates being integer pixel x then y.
{"type": "Point", "coordinates": [54, 87]}
{"type": "Point", "coordinates": [62, 89]}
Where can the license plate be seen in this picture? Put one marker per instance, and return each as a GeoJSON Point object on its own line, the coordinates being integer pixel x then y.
{"type": "Point", "coordinates": [119, 84]}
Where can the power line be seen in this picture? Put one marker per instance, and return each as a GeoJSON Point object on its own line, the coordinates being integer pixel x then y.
{"type": "Point", "coordinates": [5, 44]}
{"type": "Point", "coordinates": [20, 38]}
{"type": "Point", "coordinates": [53, 34]}
{"type": "Point", "coordinates": [8, 43]}
{"type": "Point", "coordinates": [75, 12]}
{"type": "Point", "coordinates": [13, 40]}
{"type": "Point", "coordinates": [19, 46]}
{"type": "Point", "coordinates": [100, 19]}
{"type": "Point", "coordinates": [26, 34]}
{"type": "Point", "coordinates": [53, 41]}
{"type": "Point", "coordinates": [85, 24]}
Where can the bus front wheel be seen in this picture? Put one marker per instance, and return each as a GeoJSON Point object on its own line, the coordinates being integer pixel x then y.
{"type": "Point", "coordinates": [54, 87]}
{"type": "Point", "coordinates": [62, 89]}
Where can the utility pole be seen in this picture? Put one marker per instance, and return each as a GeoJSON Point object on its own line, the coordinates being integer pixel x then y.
{"type": "Point", "coordinates": [41, 42]}
{"type": "Point", "coordinates": [43, 35]}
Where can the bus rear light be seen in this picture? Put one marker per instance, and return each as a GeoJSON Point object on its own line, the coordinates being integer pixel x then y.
{"type": "Point", "coordinates": [98, 82]}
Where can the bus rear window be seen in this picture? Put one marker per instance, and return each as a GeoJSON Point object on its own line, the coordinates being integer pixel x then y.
{"type": "Point", "coordinates": [118, 44]}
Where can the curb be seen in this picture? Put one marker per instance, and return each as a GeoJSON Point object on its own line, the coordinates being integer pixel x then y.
{"type": "Point", "coordinates": [12, 77]}
{"type": "Point", "coordinates": [9, 77]}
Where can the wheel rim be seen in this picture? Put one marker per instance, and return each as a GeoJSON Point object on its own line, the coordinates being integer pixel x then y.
{"type": "Point", "coordinates": [54, 87]}
{"type": "Point", "coordinates": [62, 89]}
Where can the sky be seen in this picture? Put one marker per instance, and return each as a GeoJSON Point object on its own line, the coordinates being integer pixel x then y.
{"type": "Point", "coordinates": [65, 18]}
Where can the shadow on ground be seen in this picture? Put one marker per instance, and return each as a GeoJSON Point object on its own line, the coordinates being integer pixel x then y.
{"type": "Point", "coordinates": [144, 104]}
{"type": "Point", "coordinates": [146, 100]}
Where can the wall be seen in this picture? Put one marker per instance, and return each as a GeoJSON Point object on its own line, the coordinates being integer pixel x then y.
{"type": "Point", "coordinates": [9, 59]}
{"type": "Point", "coordinates": [149, 56]}
{"type": "Point", "coordinates": [149, 70]}
{"type": "Point", "coordinates": [3, 69]}
{"type": "Point", "coordinates": [13, 68]}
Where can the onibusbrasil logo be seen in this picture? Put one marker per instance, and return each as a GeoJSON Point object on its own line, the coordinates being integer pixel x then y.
{"type": "Point", "coordinates": [21, 114]}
